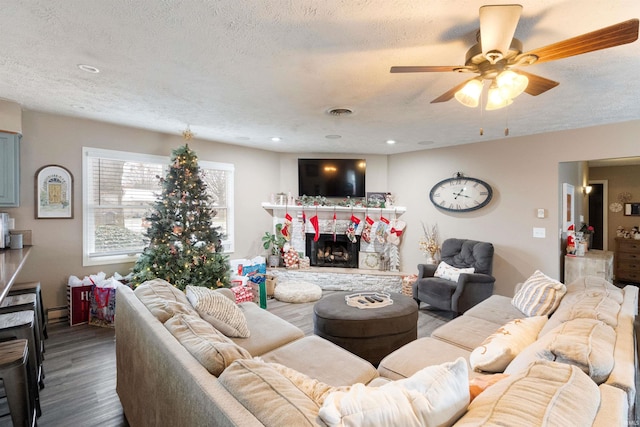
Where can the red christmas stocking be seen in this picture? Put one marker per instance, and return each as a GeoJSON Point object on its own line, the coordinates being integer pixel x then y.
{"type": "Point", "coordinates": [366, 233]}
{"type": "Point", "coordinates": [286, 228]}
{"type": "Point", "coordinates": [316, 227]}
{"type": "Point", "coordinates": [351, 229]}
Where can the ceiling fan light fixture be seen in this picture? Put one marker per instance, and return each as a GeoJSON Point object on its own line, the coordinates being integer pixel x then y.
{"type": "Point", "coordinates": [496, 98]}
{"type": "Point", "coordinates": [469, 95]}
{"type": "Point", "coordinates": [511, 84]}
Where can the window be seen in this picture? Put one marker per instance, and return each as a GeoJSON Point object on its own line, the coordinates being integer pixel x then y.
{"type": "Point", "coordinates": [119, 189]}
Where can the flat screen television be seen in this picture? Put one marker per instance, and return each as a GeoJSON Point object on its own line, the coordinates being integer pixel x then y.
{"type": "Point", "coordinates": [331, 177]}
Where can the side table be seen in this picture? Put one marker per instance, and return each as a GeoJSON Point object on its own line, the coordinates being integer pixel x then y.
{"type": "Point", "coordinates": [593, 263]}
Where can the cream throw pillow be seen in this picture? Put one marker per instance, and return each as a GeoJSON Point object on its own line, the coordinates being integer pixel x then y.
{"type": "Point", "coordinates": [209, 346]}
{"type": "Point", "coordinates": [539, 295]}
{"type": "Point", "coordinates": [270, 396]}
{"type": "Point", "coordinates": [499, 349]}
{"type": "Point", "coordinates": [588, 344]}
{"type": "Point", "coordinates": [448, 272]}
{"type": "Point", "coordinates": [162, 299]}
{"type": "Point", "coordinates": [544, 394]}
{"type": "Point", "coordinates": [218, 310]}
{"type": "Point", "coordinates": [434, 396]}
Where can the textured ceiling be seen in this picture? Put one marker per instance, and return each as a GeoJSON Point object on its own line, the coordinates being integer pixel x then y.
{"type": "Point", "coordinates": [243, 71]}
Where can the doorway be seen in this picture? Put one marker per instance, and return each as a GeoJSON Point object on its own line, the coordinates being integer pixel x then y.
{"type": "Point", "coordinates": [598, 213]}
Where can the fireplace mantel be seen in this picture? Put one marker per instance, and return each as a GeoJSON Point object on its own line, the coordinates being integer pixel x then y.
{"type": "Point", "coordinates": [300, 224]}
{"type": "Point", "coordinates": [344, 210]}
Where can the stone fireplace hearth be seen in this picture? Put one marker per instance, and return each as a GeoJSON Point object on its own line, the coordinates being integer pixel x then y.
{"type": "Point", "coordinates": [329, 253]}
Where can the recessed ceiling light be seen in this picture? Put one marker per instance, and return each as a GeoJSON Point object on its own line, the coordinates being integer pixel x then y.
{"type": "Point", "coordinates": [333, 136]}
{"type": "Point", "coordinates": [276, 139]}
{"type": "Point", "coordinates": [340, 111]}
{"type": "Point", "coordinates": [88, 68]}
{"type": "Point", "coordinates": [391, 141]}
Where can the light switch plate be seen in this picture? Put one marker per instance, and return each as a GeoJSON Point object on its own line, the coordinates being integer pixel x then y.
{"type": "Point", "coordinates": [539, 232]}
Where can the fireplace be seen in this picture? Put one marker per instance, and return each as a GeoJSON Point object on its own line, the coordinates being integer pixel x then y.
{"type": "Point", "coordinates": [329, 253]}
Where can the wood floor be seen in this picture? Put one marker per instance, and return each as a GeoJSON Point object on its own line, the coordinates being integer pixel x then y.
{"type": "Point", "coordinates": [80, 368]}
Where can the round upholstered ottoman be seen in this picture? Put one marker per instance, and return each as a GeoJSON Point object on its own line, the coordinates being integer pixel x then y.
{"type": "Point", "coordinates": [297, 291]}
{"type": "Point", "coordinates": [370, 333]}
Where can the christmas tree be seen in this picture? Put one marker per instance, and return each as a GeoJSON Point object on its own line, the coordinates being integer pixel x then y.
{"type": "Point", "coordinates": [184, 248]}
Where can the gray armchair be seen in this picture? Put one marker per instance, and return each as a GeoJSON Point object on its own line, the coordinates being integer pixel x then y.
{"type": "Point", "coordinates": [470, 289]}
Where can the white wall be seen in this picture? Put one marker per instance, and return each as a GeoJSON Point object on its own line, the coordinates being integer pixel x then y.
{"type": "Point", "coordinates": [524, 174]}
{"type": "Point", "coordinates": [57, 243]}
{"type": "Point", "coordinates": [523, 171]}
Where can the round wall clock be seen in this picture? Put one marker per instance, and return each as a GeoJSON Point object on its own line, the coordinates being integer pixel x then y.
{"type": "Point", "coordinates": [615, 207]}
{"type": "Point", "coordinates": [461, 194]}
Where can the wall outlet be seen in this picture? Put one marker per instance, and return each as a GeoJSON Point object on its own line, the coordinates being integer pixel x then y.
{"type": "Point", "coordinates": [539, 232]}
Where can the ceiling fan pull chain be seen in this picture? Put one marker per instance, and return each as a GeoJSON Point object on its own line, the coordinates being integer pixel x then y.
{"type": "Point", "coordinates": [482, 113]}
{"type": "Point", "coordinates": [506, 122]}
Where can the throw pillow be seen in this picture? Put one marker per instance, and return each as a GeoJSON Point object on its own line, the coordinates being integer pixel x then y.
{"type": "Point", "coordinates": [218, 310]}
{"type": "Point", "coordinates": [499, 349]}
{"type": "Point", "coordinates": [209, 346]}
{"type": "Point", "coordinates": [543, 394]}
{"type": "Point", "coordinates": [539, 295]}
{"type": "Point", "coordinates": [448, 272]}
{"type": "Point", "coordinates": [270, 396]}
{"type": "Point", "coordinates": [480, 383]}
{"type": "Point", "coordinates": [434, 396]}
{"type": "Point", "coordinates": [163, 300]}
{"type": "Point", "coordinates": [588, 344]}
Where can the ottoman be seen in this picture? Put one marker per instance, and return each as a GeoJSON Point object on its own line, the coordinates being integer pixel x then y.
{"type": "Point", "coordinates": [369, 333]}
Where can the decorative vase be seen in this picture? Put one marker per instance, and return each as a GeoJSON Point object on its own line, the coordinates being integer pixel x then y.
{"type": "Point", "coordinates": [274, 261]}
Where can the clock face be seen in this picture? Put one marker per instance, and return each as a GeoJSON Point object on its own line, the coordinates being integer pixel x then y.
{"type": "Point", "coordinates": [615, 207]}
{"type": "Point", "coordinates": [461, 194]}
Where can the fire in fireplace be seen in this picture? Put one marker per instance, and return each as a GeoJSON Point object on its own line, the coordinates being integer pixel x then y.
{"type": "Point", "coordinates": [327, 253]}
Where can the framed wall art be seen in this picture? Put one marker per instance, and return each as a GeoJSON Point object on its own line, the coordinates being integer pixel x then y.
{"type": "Point", "coordinates": [54, 192]}
{"type": "Point", "coordinates": [568, 206]}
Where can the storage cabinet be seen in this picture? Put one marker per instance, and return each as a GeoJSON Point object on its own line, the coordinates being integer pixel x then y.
{"type": "Point", "coordinates": [593, 263]}
{"type": "Point", "coordinates": [9, 170]}
{"type": "Point", "coordinates": [627, 260]}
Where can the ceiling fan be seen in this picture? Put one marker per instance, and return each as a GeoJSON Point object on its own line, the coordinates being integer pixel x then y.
{"type": "Point", "coordinates": [497, 52]}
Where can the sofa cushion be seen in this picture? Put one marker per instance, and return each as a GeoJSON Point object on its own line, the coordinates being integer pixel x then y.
{"type": "Point", "coordinates": [499, 349]}
{"type": "Point", "coordinates": [448, 272]}
{"type": "Point", "coordinates": [218, 310]}
{"type": "Point", "coordinates": [330, 363]}
{"type": "Point", "coordinates": [496, 309]}
{"type": "Point", "coordinates": [209, 346]}
{"type": "Point", "coordinates": [434, 396]}
{"type": "Point", "coordinates": [587, 305]}
{"type": "Point", "coordinates": [593, 284]}
{"type": "Point", "coordinates": [268, 331]}
{"type": "Point", "coordinates": [539, 295]}
{"type": "Point", "coordinates": [585, 343]}
{"type": "Point", "coordinates": [418, 354]}
{"type": "Point", "coordinates": [163, 300]}
{"type": "Point", "coordinates": [545, 393]}
{"type": "Point", "coordinates": [465, 331]}
{"type": "Point", "coordinates": [270, 396]}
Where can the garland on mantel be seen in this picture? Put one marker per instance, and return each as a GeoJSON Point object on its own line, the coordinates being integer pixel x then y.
{"type": "Point", "coordinates": [347, 202]}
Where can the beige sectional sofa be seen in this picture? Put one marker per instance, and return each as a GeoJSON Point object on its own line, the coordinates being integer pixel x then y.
{"type": "Point", "coordinates": [278, 377]}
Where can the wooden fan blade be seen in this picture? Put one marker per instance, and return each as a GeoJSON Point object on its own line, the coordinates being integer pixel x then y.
{"type": "Point", "coordinates": [614, 35]}
{"type": "Point", "coordinates": [537, 84]}
{"type": "Point", "coordinates": [497, 26]}
{"type": "Point", "coordinates": [450, 93]}
{"type": "Point", "coordinates": [426, 69]}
